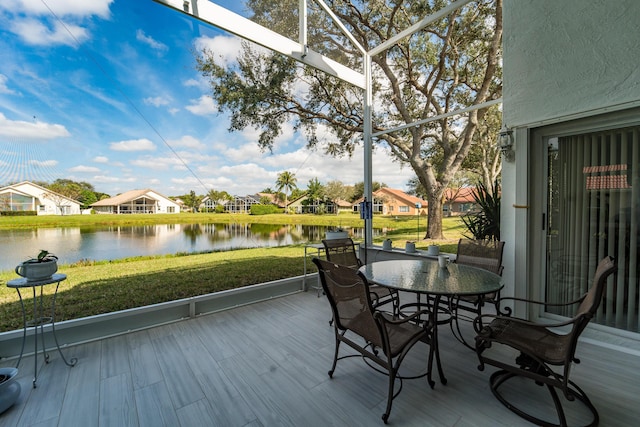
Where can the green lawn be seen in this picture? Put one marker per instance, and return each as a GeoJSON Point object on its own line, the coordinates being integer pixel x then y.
{"type": "Point", "coordinates": [102, 287]}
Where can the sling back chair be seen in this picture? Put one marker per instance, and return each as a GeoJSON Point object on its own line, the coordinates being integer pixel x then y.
{"type": "Point", "coordinates": [377, 336]}
{"type": "Point", "coordinates": [485, 254]}
{"type": "Point", "coordinates": [543, 347]}
{"type": "Point", "coordinates": [343, 252]}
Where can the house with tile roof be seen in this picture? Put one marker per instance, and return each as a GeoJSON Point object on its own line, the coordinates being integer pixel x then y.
{"type": "Point", "coordinates": [390, 201]}
{"type": "Point", "coordinates": [459, 201]}
{"type": "Point", "coordinates": [136, 202]}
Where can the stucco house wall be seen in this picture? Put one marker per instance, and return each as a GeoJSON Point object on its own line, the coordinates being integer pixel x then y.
{"type": "Point", "coordinates": [42, 200]}
{"type": "Point", "coordinates": [568, 57]}
{"type": "Point", "coordinates": [131, 202]}
{"type": "Point", "coordinates": [563, 60]}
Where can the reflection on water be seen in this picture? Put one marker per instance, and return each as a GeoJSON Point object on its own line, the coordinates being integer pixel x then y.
{"type": "Point", "coordinates": [73, 244]}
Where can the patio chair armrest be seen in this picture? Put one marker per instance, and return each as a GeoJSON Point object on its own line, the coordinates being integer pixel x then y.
{"type": "Point", "coordinates": [506, 311]}
{"type": "Point", "coordinates": [487, 318]}
{"type": "Point", "coordinates": [389, 318]}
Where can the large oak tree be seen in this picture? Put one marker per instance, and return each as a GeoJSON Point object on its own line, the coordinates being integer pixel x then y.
{"type": "Point", "coordinates": [451, 64]}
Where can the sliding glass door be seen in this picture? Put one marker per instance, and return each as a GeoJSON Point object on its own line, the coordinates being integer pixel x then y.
{"type": "Point", "coordinates": [593, 210]}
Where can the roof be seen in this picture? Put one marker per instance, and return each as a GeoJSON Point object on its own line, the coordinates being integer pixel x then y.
{"type": "Point", "coordinates": [28, 185]}
{"type": "Point", "coordinates": [125, 197]}
{"type": "Point", "coordinates": [342, 203]}
{"type": "Point", "coordinates": [401, 195]}
{"type": "Point", "coordinates": [462, 195]}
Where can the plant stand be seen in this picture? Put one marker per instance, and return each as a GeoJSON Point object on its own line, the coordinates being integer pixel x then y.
{"type": "Point", "coordinates": [39, 319]}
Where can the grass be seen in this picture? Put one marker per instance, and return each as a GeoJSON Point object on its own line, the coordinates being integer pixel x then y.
{"type": "Point", "coordinates": [112, 286]}
{"type": "Point", "coordinates": [100, 287]}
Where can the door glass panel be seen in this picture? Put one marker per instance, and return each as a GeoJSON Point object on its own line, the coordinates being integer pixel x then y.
{"type": "Point", "coordinates": [593, 210]}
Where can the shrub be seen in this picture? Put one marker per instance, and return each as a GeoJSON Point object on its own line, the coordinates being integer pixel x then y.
{"type": "Point", "coordinates": [18, 213]}
{"type": "Point", "coordinates": [264, 209]}
{"type": "Point", "coordinates": [485, 223]}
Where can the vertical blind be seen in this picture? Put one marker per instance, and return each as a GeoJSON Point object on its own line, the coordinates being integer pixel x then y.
{"type": "Point", "coordinates": [593, 211]}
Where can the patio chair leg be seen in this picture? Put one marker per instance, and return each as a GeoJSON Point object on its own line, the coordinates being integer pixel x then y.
{"type": "Point", "coordinates": [392, 378]}
{"type": "Point", "coordinates": [500, 377]}
{"type": "Point", "coordinates": [335, 356]}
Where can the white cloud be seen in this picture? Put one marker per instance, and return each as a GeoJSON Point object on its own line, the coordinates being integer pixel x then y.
{"type": "Point", "coordinates": [59, 7]}
{"type": "Point", "coordinates": [133, 145]}
{"type": "Point", "coordinates": [44, 163]}
{"type": "Point", "coordinates": [105, 160]}
{"type": "Point", "coordinates": [151, 42]}
{"type": "Point", "coordinates": [195, 83]}
{"type": "Point", "coordinates": [31, 130]}
{"type": "Point", "coordinates": [39, 34]}
{"type": "Point", "coordinates": [202, 106]}
{"type": "Point", "coordinates": [3, 85]}
{"type": "Point", "coordinates": [225, 48]}
{"type": "Point", "coordinates": [81, 168]}
{"type": "Point", "coordinates": [156, 101]}
{"type": "Point", "coordinates": [158, 163]}
{"type": "Point", "coordinates": [104, 179]}
{"type": "Point", "coordinates": [32, 20]}
{"type": "Point", "coordinates": [240, 153]}
{"type": "Point", "coordinates": [186, 141]}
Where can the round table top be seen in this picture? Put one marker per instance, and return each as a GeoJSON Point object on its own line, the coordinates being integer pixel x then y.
{"type": "Point", "coordinates": [426, 276]}
{"type": "Point", "coordinates": [22, 282]}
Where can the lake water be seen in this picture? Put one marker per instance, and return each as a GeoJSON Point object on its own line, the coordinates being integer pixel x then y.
{"type": "Point", "coordinates": [72, 244]}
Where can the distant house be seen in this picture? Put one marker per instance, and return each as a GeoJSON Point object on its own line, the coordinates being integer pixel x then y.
{"type": "Point", "coordinates": [136, 201]}
{"type": "Point", "coordinates": [209, 205]}
{"type": "Point", "coordinates": [27, 196]}
{"type": "Point", "coordinates": [458, 202]}
{"type": "Point", "coordinates": [304, 205]}
{"type": "Point", "coordinates": [242, 204]}
{"type": "Point", "coordinates": [273, 199]}
{"type": "Point", "coordinates": [389, 201]}
{"type": "Point", "coordinates": [342, 205]}
{"type": "Point", "coordinates": [296, 206]}
{"type": "Point", "coordinates": [180, 203]}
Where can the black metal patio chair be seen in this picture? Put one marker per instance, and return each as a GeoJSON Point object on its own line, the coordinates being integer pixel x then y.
{"type": "Point", "coordinates": [485, 254]}
{"type": "Point", "coordinates": [376, 336]}
{"type": "Point", "coordinates": [343, 252]}
{"type": "Point", "coordinates": [546, 350]}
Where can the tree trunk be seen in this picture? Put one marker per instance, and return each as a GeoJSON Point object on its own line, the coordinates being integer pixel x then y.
{"type": "Point", "coordinates": [434, 218]}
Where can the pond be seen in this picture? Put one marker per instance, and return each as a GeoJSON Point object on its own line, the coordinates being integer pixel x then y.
{"type": "Point", "coordinates": [73, 244]}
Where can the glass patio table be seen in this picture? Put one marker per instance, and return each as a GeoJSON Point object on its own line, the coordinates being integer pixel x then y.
{"type": "Point", "coordinates": [427, 278]}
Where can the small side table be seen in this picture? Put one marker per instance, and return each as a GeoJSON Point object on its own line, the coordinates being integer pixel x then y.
{"type": "Point", "coordinates": [39, 318]}
{"type": "Point", "coordinates": [318, 247]}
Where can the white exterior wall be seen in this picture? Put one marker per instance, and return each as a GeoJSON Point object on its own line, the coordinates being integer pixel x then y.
{"type": "Point", "coordinates": [50, 207]}
{"type": "Point", "coordinates": [569, 57]}
{"type": "Point", "coordinates": [163, 202]}
{"type": "Point", "coordinates": [562, 60]}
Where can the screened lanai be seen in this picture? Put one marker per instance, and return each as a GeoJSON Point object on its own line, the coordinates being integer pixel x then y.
{"type": "Point", "coordinates": [573, 235]}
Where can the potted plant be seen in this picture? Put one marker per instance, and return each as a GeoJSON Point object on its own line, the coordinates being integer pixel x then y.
{"type": "Point", "coordinates": [433, 250]}
{"type": "Point", "coordinates": [41, 267]}
{"type": "Point", "coordinates": [336, 233]}
{"type": "Point", "coordinates": [410, 247]}
{"type": "Point", "coordinates": [9, 388]}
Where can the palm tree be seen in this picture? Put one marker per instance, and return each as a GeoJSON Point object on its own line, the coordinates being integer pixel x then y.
{"type": "Point", "coordinates": [287, 181]}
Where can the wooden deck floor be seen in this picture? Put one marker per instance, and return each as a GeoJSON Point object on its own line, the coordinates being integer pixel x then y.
{"type": "Point", "coordinates": [266, 365]}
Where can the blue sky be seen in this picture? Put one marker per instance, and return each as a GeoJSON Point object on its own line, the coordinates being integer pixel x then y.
{"type": "Point", "coordinates": [106, 91]}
